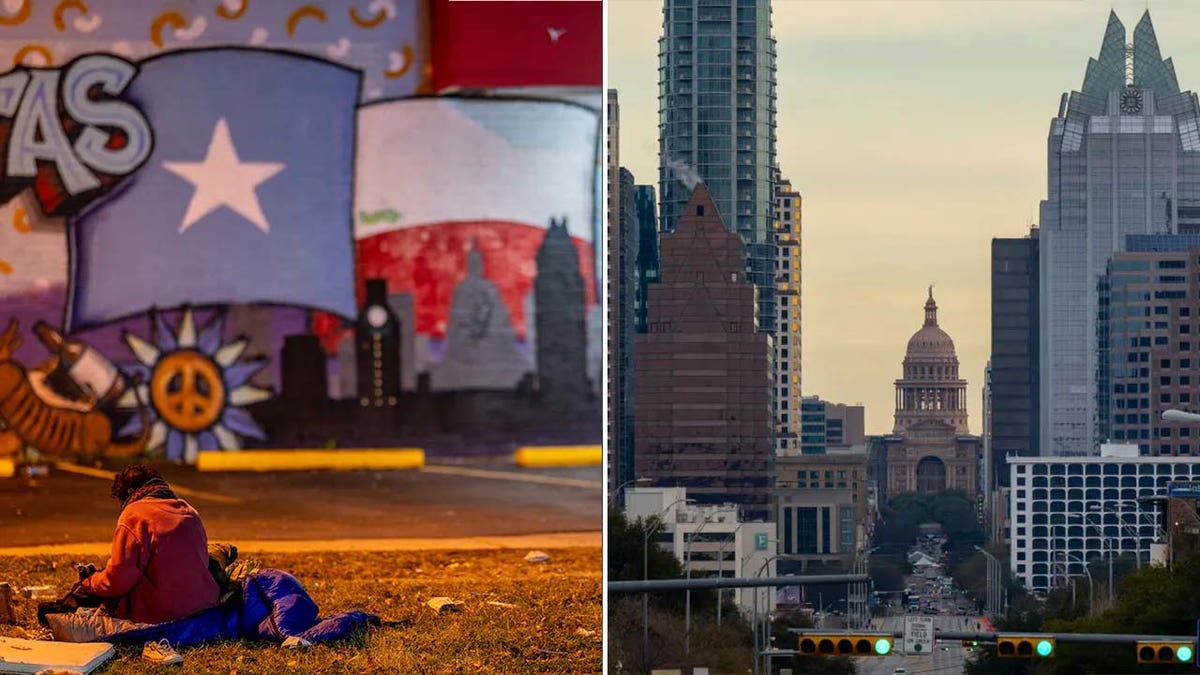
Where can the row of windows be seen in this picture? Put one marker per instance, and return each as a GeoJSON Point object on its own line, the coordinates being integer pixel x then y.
{"type": "Point", "coordinates": [1184, 470]}
{"type": "Point", "coordinates": [1057, 484]}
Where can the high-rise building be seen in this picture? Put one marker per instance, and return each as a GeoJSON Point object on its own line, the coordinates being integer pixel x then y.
{"type": "Point", "coordinates": [703, 371]}
{"type": "Point", "coordinates": [824, 425]}
{"type": "Point", "coordinates": [303, 369]}
{"type": "Point", "coordinates": [1013, 425]}
{"type": "Point", "coordinates": [1066, 512]}
{"type": "Point", "coordinates": [623, 291]}
{"type": "Point", "coordinates": [787, 334]}
{"type": "Point", "coordinates": [717, 123]}
{"type": "Point", "coordinates": [561, 327]}
{"type": "Point", "coordinates": [377, 348]}
{"type": "Point", "coordinates": [613, 155]}
{"type": "Point", "coordinates": [1124, 158]}
{"type": "Point", "coordinates": [1150, 332]}
{"type": "Point", "coordinates": [647, 251]}
{"type": "Point", "coordinates": [612, 234]}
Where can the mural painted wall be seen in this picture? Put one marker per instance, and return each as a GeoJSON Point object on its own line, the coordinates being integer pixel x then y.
{"type": "Point", "coordinates": [241, 223]}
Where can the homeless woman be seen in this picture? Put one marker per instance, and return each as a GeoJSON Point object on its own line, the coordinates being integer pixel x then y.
{"type": "Point", "coordinates": [159, 569]}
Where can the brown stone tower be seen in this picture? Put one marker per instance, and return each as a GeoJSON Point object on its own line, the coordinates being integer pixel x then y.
{"type": "Point", "coordinates": [703, 371]}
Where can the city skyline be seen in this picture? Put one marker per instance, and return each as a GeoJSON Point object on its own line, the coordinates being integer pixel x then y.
{"type": "Point", "coordinates": [910, 131]}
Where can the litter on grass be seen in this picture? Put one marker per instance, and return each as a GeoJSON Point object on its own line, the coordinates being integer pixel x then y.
{"type": "Point", "coordinates": [443, 604]}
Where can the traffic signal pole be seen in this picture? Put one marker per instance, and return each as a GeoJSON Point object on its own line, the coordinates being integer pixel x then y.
{"type": "Point", "coordinates": [1065, 638]}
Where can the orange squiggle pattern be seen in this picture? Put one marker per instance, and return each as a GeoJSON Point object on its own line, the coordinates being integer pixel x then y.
{"type": "Point", "coordinates": [60, 22]}
{"type": "Point", "coordinates": [224, 12]}
{"type": "Point", "coordinates": [21, 224]}
{"type": "Point", "coordinates": [174, 19]}
{"type": "Point", "coordinates": [399, 72]}
{"type": "Point", "coordinates": [379, 18]}
{"type": "Point", "coordinates": [21, 221]}
{"type": "Point", "coordinates": [20, 17]}
{"type": "Point", "coordinates": [302, 12]}
{"type": "Point", "coordinates": [19, 57]}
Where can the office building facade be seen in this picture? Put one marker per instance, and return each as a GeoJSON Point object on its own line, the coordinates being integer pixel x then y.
{"type": "Point", "coordinates": [822, 507]}
{"type": "Point", "coordinates": [788, 299]}
{"type": "Point", "coordinates": [1124, 158]}
{"type": "Point", "coordinates": [1012, 424]}
{"type": "Point", "coordinates": [703, 372]}
{"type": "Point", "coordinates": [1149, 329]}
{"type": "Point", "coordinates": [717, 123]}
{"type": "Point", "coordinates": [711, 541]}
{"type": "Point", "coordinates": [825, 425]}
{"type": "Point", "coordinates": [1065, 512]}
{"type": "Point", "coordinates": [623, 291]}
{"type": "Point", "coordinates": [647, 252]}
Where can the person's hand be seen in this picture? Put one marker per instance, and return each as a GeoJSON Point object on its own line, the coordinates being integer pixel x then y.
{"type": "Point", "coordinates": [85, 571]}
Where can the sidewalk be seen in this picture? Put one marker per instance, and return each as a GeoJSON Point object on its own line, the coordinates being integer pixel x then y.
{"type": "Point", "coordinates": [520, 541]}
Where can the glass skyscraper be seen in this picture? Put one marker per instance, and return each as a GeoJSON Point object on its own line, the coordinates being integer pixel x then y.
{"type": "Point", "coordinates": [716, 123]}
{"type": "Point", "coordinates": [1124, 158]}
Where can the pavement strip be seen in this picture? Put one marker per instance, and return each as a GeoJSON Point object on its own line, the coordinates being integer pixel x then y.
{"type": "Point", "coordinates": [179, 490]}
{"type": "Point", "coordinates": [512, 476]}
{"type": "Point", "coordinates": [549, 540]}
{"type": "Point", "coordinates": [445, 469]}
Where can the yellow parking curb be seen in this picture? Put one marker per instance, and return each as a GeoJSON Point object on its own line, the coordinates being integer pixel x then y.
{"type": "Point", "coordinates": [311, 460]}
{"type": "Point", "coordinates": [560, 455]}
{"type": "Point", "coordinates": [8, 468]}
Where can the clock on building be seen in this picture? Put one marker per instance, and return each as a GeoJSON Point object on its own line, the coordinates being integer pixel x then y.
{"type": "Point", "coordinates": [1131, 101]}
{"type": "Point", "coordinates": [376, 316]}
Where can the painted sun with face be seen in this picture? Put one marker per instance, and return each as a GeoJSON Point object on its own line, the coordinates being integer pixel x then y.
{"type": "Point", "coordinates": [195, 387]}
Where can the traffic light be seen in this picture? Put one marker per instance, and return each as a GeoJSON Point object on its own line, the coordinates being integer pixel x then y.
{"type": "Point", "coordinates": [970, 644]}
{"type": "Point", "coordinates": [1025, 647]}
{"type": "Point", "coordinates": [846, 644]}
{"type": "Point", "coordinates": [1166, 652]}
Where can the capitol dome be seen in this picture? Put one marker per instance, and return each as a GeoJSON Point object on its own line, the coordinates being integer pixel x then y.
{"type": "Point", "coordinates": [931, 342]}
{"type": "Point", "coordinates": [930, 389]}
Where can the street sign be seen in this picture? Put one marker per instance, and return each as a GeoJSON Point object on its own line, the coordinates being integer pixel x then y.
{"type": "Point", "coordinates": [760, 541]}
{"type": "Point", "coordinates": [918, 635]}
{"type": "Point", "coordinates": [1184, 489]}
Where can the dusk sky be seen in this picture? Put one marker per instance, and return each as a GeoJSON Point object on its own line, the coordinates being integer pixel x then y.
{"type": "Point", "coordinates": [916, 132]}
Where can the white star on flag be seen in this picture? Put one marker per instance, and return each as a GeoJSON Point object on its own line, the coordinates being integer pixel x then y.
{"type": "Point", "coordinates": [223, 180]}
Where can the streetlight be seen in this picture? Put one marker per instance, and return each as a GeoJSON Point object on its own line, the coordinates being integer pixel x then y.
{"type": "Point", "coordinates": [650, 527]}
{"type": "Point", "coordinates": [758, 575]}
{"type": "Point", "coordinates": [617, 492]}
{"type": "Point", "coordinates": [1129, 529]}
{"type": "Point", "coordinates": [1180, 416]}
{"type": "Point", "coordinates": [687, 562]}
{"type": "Point", "coordinates": [1091, 586]}
{"type": "Point", "coordinates": [861, 612]}
{"type": "Point", "coordinates": [1107, 544]}
{"type": "Point", "coordinates": [721, 567]}
{"type": "Point", "coordinates": [994, 572]}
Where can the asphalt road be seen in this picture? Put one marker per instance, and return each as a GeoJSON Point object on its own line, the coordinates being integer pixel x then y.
{"type": "Point", "coordinates": [939, 662]}
{"type": "Point", "coordinates": [453, 501]}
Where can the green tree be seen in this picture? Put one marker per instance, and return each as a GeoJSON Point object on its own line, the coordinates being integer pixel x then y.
{"type": "Point", "coordinates": [723, 649]}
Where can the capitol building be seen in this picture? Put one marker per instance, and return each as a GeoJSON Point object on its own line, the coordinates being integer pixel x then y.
{"type": "Point", "coordinates": [930, 448]}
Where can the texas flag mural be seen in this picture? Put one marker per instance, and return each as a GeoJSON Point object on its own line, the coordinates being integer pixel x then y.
{"type": "Point", "coordinates": [246, 200]}
{"type": "Point", "coordinates": [443, 178]}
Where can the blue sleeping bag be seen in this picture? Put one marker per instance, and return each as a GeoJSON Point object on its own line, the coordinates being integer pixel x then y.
{"type": "Point", "coordinates": [272, 606]}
